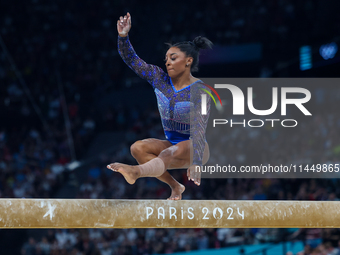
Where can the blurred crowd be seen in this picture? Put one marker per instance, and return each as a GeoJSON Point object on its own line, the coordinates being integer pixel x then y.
{"type": "Point", "coordinates": [167, 241]}
{"type": "Point", "coordinates": [319, 241]}
{"type": "Point", "coordinates": [67, 64]}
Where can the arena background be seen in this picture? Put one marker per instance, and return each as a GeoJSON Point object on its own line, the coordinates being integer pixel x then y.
{"type": "Point", "coordinates": [67, 97]}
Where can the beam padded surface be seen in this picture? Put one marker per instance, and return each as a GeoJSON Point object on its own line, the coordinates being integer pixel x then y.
{"type": "Point", "coordinates": [102, 213]}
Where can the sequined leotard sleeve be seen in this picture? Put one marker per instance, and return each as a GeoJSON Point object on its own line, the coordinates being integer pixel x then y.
{"type": "Point", "coordinates": [180, 110]}
{"type": "Point", "coordinates": [198, 121]}
{"type": "Point", "coordinates": [146, 71]}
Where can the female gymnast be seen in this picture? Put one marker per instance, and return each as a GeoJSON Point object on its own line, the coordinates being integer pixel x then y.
{"type": "Point", "coordinates": [179, 102]}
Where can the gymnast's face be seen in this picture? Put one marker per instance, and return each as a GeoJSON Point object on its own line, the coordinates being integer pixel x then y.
{"type": "Point", "coordinates": [177, 62]}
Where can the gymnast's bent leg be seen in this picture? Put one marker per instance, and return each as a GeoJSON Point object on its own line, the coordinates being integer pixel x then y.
{"type": "Point", "coordinates": [173, 157]}
{"type": "Point", "coordinates": [148, 149]}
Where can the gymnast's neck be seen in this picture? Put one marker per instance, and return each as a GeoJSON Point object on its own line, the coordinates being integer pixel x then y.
{"type": "Point", "coordinates": [183, 80]}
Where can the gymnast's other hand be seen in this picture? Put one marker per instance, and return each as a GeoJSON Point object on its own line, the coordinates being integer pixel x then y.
{"type": "Point", "coordinates": [194, 175]}
{"type": "Point", "coordinates": [124, 25]}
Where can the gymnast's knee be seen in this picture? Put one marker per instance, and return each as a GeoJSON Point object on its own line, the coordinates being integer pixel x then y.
{"type": "Point", "coordinates": [137, 149]}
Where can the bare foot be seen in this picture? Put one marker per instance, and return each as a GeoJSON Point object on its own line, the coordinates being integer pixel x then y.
{"type": "Point", "coordinates": [130, 173]}
{"type": "Point", "coordinates": [176, 193]}
{"type": "Point", "coordinates": [194, 175]}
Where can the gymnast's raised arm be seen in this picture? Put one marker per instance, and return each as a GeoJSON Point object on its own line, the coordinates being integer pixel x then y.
{"type": "Point", "coordinates": [129, 56]}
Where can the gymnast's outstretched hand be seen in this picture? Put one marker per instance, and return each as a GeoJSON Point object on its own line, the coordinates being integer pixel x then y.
{"type": "Point", "coordinates": [124, 25]}
{"type": "Point", "coordinates": [194, 175]}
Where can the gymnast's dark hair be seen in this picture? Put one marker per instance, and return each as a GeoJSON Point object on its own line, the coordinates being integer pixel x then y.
{"type": "Point", "coordinates": [192, 49]}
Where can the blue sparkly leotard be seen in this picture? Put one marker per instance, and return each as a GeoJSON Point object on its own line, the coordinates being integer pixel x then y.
{"type": "Point", "coordinates": [177, 108]}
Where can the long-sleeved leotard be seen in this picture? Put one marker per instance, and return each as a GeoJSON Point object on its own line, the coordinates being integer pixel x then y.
{"type": "Point", "coordinates": [180, 110]}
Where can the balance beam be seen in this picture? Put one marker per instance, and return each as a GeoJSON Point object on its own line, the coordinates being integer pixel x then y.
{"type": "Point", "coordinates": [103, 213]}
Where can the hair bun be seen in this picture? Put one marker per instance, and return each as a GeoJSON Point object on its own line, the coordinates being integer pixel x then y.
{"type": "Point", "coordinates": [202, 43]}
